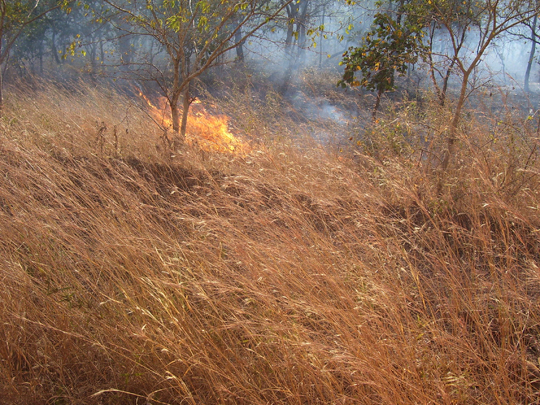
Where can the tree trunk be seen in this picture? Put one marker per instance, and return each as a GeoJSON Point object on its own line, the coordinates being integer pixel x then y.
{"type": "Point", "coordinates": [102, 55]}
{"type": "Point", "coordinates": [239, 45]}
{"type": "Point", "coordinates": [185, 110]}
{"type": "Point", "coordinates": [296, 34]}
{"type": "Point", "coordinates": [449, 152]}
{"type": "Point", "coordinates": [291, 17]}
{"type": "Point", "coordinates": [53, 47]}
{"type": "Point", "coordinates": [175, 115]}
{"type": "Point", "coordinates": [180, 125]}
{"type": "Point", "coordinates": [445, 83]}
{"type": "Point", "coordinates": [441, 92]}
{"type": "Point", "coordinates": [531, 55]}
{"type": "Point", "coordinates": [92, 53]}
{"type": "Point", "coordinates": [125, 51]}
{"type": "Point", "coordinates": [175, 96]}
{"type": "Point", "coordinates": [321, 52]}
{"type": "Point", "coordinates": [41, 57]}
{"type": "Point", "coordinates": [377, 103]}
{"type": "Point", "coordinates": [177, 139]}
{"type": "Point", "coordinates": [432, 65]}
{"type": "Point", "coordinates": [3, 61]}
{"type": "Point", "coordinates": [302, 28]}
{"type": "Point", "coordinates": [1, 90]}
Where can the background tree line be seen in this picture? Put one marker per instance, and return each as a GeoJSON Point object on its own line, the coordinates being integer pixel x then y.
{"type": "Point", "coordinates": [172, 42]}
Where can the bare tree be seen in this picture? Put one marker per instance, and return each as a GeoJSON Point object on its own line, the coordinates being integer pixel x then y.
{"type": "Point", "coordinates": [483, 22]}
{"type": "Point", "coordinates": [497, 17]}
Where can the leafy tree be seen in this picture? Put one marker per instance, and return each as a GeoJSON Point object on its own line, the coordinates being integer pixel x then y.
{"type": "Point", "coordinates": [192, 35]}
{"type": "Point", "coordinates": [93, 31]}
{"type": "Point", "coordinates": [59, 35]}
{"type": "Point", "coordinates": [15, 17]}
{"type": "Point", "coordinates": [390, 46]}
{"type": "Point", "coordinates": [387, 49]}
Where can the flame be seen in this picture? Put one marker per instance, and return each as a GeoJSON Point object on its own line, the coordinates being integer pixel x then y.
{"type": "Point", "coordinates": [209, 131]}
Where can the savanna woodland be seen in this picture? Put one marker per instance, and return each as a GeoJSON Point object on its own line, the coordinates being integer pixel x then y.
{"type": "Point", "coordinates": [269, 202]}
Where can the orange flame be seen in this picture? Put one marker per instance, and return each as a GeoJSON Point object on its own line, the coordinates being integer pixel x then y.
{"type": "Point", "coordinates": [210, 132]}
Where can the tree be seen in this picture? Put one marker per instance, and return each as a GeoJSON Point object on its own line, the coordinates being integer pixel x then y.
{"type": "Point", "coordinates": [534, 37]}
{"type": "Point", "coordinates": [15, 17]}
{"type": "Point", "coordinates": [387, 49]}
{"type": "Point", "coordinates": [482, 20]}
{"type": "Point", "coordinates": [192, 35]}
{"type": "Point", "coordinates": [61, 35]}
{"type": "Point", "coordinates": [297, 15]}
{"type": "Point", "coordinates": [534, 40]}
{"type": "Point", "coordinates": [492, 18]}
{"type": "Point", "coordinates": [304, 26]}
{"type": "Point", "coordinates": [434, 16]}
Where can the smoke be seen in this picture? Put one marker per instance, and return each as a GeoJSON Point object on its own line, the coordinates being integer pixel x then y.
{"type": "Point", "coordinates": [317, 109]}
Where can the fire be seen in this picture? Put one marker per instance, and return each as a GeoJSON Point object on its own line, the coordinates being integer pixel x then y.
{"type": "Point", "coordinates": [210, 132]}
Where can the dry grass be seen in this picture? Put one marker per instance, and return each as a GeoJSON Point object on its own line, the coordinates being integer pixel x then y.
{"type": "Point", "coordinates": [290, 276]}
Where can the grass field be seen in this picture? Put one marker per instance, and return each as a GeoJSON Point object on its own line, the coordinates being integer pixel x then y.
{"type": "Point", "coordinates": [293, 274]}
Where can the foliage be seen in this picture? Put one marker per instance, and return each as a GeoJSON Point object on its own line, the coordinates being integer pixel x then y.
{"type": "Point", "coordinates": [191, 35]}
{"type": "Point", "coordinates": [15, 16]}
{"type": "Point", "coordinates": [58, 34]}
{"type": "Point", "coordinates": [387, 49]}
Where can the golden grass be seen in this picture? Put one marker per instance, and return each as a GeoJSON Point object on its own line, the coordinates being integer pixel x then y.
{"type": "Point", "coordinates": [290, 276]}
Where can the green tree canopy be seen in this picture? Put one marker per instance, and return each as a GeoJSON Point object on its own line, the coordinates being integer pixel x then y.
{"type": "Point", "coordinates": [192, 34]}
{"type": "Point", "coordinates": [387, 49]}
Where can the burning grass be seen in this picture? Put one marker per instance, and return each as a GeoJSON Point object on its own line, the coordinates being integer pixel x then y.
{"type": "Point", "coordinates": [210, 132]}
{"type": "Point", "coordinates": [282, 276]}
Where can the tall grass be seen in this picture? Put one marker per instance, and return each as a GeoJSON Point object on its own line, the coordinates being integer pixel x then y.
{"type": "Point", "coordinates": [292, 275]}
